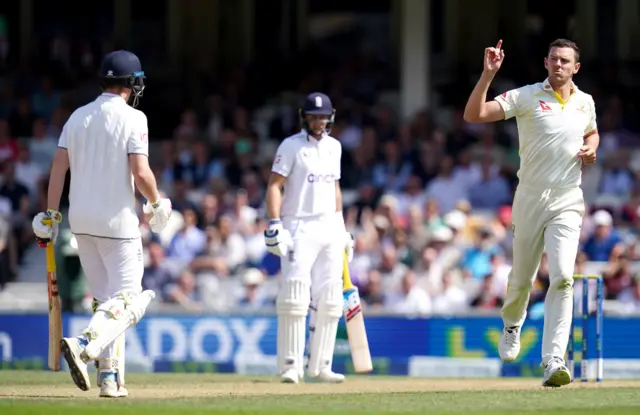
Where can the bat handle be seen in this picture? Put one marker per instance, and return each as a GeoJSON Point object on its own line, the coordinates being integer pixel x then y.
{"type": "Point", "coordinates": [346, 277]}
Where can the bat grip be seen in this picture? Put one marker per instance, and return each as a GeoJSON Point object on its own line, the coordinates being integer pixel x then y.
{"type": "Point", "coordinates": [346, 277]}
{"type": "Point", "coordinates": [51, 260]}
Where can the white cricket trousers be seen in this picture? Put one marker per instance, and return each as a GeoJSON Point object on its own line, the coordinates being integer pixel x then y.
{"type": "Point", "coordinates": [549, 220]}
{"type": "Point", "coordinates": [318, 251]}
{"type": "Point", "coordinates": [112, 266]}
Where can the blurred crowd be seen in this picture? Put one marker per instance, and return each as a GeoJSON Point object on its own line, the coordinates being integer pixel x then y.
{"type": "Point", "coordinates": [427, 199]}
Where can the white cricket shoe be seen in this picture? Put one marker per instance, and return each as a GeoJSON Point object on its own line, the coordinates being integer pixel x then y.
{"type": "Point", "coordinates": [556, 374]}
{"type": "Point", "coordinates": [290, 375]}
{"type": "Point", "coordinates": [109, 387]}
{"type": "Point", "coordinates": [509, 346]}
{"type": "Point", "coordinates": [73, 352]}
{"type": "Point", "coordinates": [327, 375]}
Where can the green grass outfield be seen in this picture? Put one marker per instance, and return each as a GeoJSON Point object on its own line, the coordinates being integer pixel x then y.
{"type": "Point", "coordinates": [46, 393]}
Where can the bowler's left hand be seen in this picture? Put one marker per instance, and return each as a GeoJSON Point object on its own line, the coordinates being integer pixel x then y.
{"type": "Point", "coordinates": [587, 154]}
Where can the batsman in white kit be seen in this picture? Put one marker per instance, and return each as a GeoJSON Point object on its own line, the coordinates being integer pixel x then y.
{"type": "Point", "coordinates": [307, 230]}
{"type": "Point", "coordinates": [105, 146]}
{"type": "Point", "coordinates": [557, 135]}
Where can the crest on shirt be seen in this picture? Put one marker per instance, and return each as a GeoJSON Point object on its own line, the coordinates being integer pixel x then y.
{"type": "Point", "coordinates": [277, 159]}
{"type": "Point", "coordinates": [544, 106]}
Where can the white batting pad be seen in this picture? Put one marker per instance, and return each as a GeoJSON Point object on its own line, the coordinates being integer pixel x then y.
{"type": "Point", "coordinates": [113, 318]}
{"type": "Point", "coordinates": [292, 305]}
{"type": "Point", "coordinates": [120, 356]}
{"type": "Point", "coordinates": [323, 341]}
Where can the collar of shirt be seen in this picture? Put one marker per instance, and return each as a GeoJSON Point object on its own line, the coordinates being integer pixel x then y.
{"type": "Point", "coordinates": [110, 96]}
{"type": "Point", "coordinates": [546, 86]}
{"type": "Point", "coordinates": [312, 139]}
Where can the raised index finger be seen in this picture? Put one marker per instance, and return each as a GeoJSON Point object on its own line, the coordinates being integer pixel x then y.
{"type": "Point", "coordinates": [499, 45]}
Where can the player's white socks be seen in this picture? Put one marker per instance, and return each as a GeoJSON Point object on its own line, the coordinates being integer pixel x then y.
{"type": "Point", "coordinates": [558, 312]}
{"type": "Point", "coordinates": [292, 305]}
{"type": "Point", "coordinates": [113, 318]}
{"type": "Point", "coordinates": [323, 341]}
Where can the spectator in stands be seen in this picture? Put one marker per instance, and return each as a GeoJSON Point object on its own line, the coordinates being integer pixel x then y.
{"type": "Point", "coordinates": [410, 300]}
{"type": "Point", "coordinates": [198, 171]}
{"type": "Point", "coordinates": [58, 118]}
{"type": "Point", "coordinates": [487, 299]}
{"type": "Point", "coordinates": [185, 292]}
{"type": "Point", "coordinates": [617, 275]}
{"type": "Point", "coordinates": [6, 273]}
{"type": "Point", "coordinates": [42, 146]}
{"type": "Point", "coordinates": [459, 138]}
{"type": "Point", "coordinates": [418, 235]}
{"type": "Point", "coordinates": [491, 191]}
{"type": "Point", "coordinates": [18, 195]}
{"type": "Point", "coordinates": [46, 99]}
{"type": "Point", "coordinates": [429, 272]}
{"type": "Point", "coordinates": [22, 119]}
{"type": "Point", "coordinates": [393, 172]}
{"type": "Point", "coordinates": [157, 275]}
{"type": "Point", "coordinates": [180, 199]}
{"type": "Point", "coordinates": [500, 268]}
{"type": "Point", "coordinates": [227, 244]}
{"type": "Point", "coordinates": [391, 270]}
{"type": "Point", "coordinates": [363, 260]}
{"type": "Point", "coordinates": [467, 170]}
{"type": "Point", "coordinates": [242, 215]}
{"type": "Point", "coordinates": [445, 189]}
{"type": "Point", "coordinates": [255, 248]}
{"type": "Point", "coordinates": [209, 211]}
{"type": "Point", "coordinates": [630, 297]}
{"type": "Point", "coordinates": [411, 195]}
{"type": "Point", "coordinates": [452, 299]}
{"type": "Point", "coordinates": [252, 297]}
{"type": "Point", "coordinates": [617, 178]}
{"type": "Point", "coordinates": [476, 261]}
{"type": "Point", "coordinates": [487, 148]}
{"type": "Point", "coordinates": [28, 172]}
{"type": "Point", "coordinates": [8, 144]}
{"type": "Point", "coordinates": [600, 245]}
{"type": "Point", "coordinates": [190, 241]}
{"type": "Point", "coordinates": [372, 293]}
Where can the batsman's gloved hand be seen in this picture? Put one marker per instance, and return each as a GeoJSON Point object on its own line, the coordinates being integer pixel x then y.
{"type": "Point", "coordinates": [45, 227]}
{"type": "Point", "coordinates": [161, 211]}
{"type": "Point", "coordinates": [277, 239]}
{"type": "Point", "coordinates": [349, 245]}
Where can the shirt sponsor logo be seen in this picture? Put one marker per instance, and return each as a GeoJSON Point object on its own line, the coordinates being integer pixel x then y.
{"type": "Point", "coordinates": [321, 178]}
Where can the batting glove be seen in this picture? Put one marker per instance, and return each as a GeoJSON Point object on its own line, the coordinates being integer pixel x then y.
{"type": "Point", "coordinates": [161, 211]}
{"type": "Point", "coordinates": [349, 245]}
{"type": "Point", "coordinates": [45, 227]}
{"type": "Point", "coordinates": [277, 239]}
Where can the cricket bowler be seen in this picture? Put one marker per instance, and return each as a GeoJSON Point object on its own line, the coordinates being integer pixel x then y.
{"type": "Point", "coordinates": [105, 146]}
{"type": "Point", "coordinates": [557, 134]}
{"type": "Point", "coordinates": [307, 230]}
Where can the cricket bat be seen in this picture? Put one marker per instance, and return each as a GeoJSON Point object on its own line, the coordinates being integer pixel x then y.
{"type": "Point", "coordinates": [55, 311]}
{"type": "Point", "coordinates": [356, 332]}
